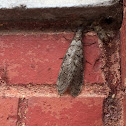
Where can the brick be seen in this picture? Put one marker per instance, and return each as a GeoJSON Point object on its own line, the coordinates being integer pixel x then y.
{"type": "Point", "coordinates": [36, 58]}
{"type": "Point", "coordinates": [123, 49]}
{"type": "Point", "coordinates": [8, 111]}
{"type": "Point", "coordinates": [93, 54]}
{"type": "Point", "coordinates": [124, 110]}
{"type": "Point", "coordinates": [64, 111]}
{"type": "Point", "coordinates": [123, 59]}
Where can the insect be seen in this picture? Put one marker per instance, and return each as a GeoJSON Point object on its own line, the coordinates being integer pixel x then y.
{"type": "Point", "coordinates": [72, 68]}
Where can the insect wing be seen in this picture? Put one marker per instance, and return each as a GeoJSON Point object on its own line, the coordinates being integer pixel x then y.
{"type": "Point", "coordinates": [71, 72]}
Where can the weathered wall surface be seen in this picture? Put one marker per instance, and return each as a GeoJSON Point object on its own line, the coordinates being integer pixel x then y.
{"type": "Point", "coordinates": [29, 66]}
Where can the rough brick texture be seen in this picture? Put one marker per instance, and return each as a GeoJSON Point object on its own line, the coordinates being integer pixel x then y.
{"type": "Point", "coordinates": [123, 58]}
{"type": "Point", "coordinates": [124, 110]}
{"type": "Point", "coordinates": [123, 48]}
{"type": "Point", "coordinates": [64, 111]}
{"type": "Point", "coordinates": [33, 59]}
{"type": "Point", "coordinates": [8, 111]}
{"type": "Point", "coordinates": [36, 58]}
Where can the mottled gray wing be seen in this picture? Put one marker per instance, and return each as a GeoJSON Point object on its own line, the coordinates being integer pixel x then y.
{"type": "Point", "coordinates": [76, 84]}
{"type": "Point", "coordinates": [71, 72]}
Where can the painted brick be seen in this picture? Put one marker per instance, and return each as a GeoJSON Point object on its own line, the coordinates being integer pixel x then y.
{"type": "Point", "coordinates": [36, 58]}
{"type": "Point", "coordinates": [124, 110]}
{"type": "Point", "coordinates": [64, 111]}
{"type": "Point", "coordinates": [123, 49]}
{"type": "Point", "coordinates": [8, 111]}
{"type": "Point", "coordinates": [123, 59]}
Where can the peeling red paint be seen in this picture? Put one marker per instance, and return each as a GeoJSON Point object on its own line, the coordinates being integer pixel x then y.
{"type": "Point", "coordinates": [64, 111]}
{"type": "Point", "coordinates": [8, 111]}
{"type": "Point", "coordinates": [36, 58]}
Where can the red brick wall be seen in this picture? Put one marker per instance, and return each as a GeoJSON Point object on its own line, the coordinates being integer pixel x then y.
{"type": "Point", "coordinates": [29, 66]}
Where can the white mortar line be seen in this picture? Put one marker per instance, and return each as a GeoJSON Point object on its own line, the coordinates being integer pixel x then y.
{"type": "Point", "coordinates": [39, 91]}
{"type": "Point", "coordinates": [54, 3]}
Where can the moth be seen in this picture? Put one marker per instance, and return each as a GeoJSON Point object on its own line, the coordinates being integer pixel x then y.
{"type": "Point", "coordinates": [72, 69]}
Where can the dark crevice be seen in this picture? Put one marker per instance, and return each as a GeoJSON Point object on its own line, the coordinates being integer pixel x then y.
{"type": "Point", "coordinates": [109, 20]}
{"type": "Point", "coordinates": [112, 110]}
{"type": "Point", "coordinates": [59, 19]}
